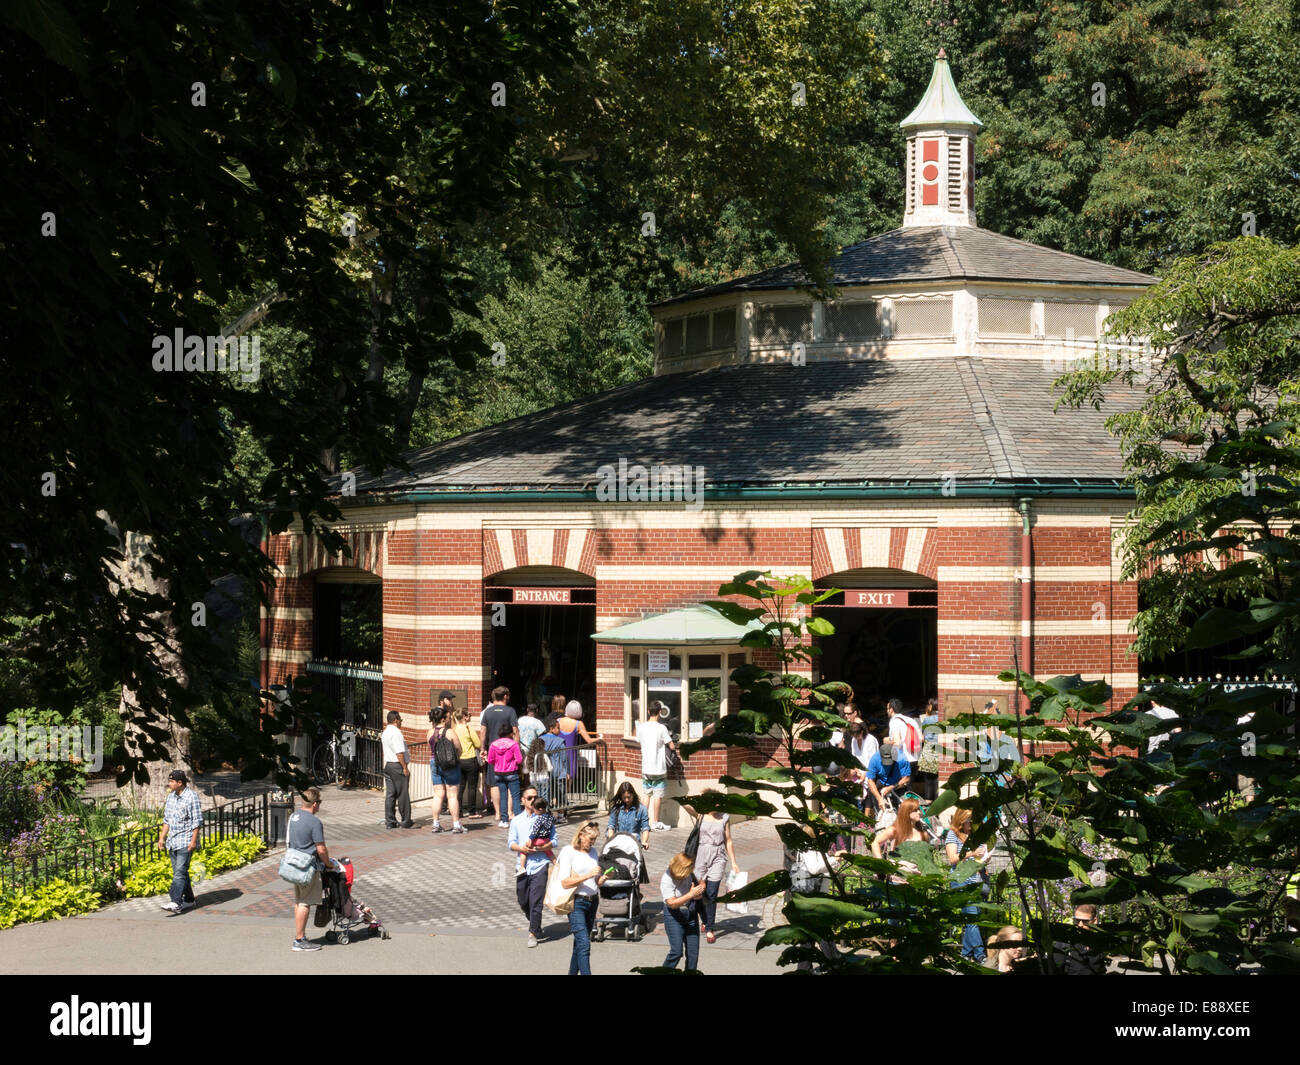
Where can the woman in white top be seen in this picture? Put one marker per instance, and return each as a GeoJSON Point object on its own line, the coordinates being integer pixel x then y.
{"type": "Point", "coordinates": [579, 869]}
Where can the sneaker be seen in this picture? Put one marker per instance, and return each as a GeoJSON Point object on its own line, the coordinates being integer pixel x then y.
{"type": "Point", "coordinates": [659, 826]}
{"type": "Point", "coordinates": [459, 828]}
{"type": "Point", "coordinates": [532, 940]}
{"type": "Point", "coordinates": [305, 944]}
{"type": "Point", "coordinates": [187, 906]}
{"type": "Point", "coordinates": [503, 824]}
{"type": "Point", "coordinates": [437, 827]}
{"type": "Point", "coordinates": [171, 907]}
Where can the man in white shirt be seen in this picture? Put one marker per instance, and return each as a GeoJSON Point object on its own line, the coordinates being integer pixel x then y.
{"type": "Point", "coordinates": [655, 742]}
{"type": "Point", "coordinates": [397, 774]}
{"type": "Point", "coordinates": [904, 732]}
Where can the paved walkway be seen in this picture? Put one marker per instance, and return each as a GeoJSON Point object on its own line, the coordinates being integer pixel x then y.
{"type": "Point", "coordinates": [448, 901]}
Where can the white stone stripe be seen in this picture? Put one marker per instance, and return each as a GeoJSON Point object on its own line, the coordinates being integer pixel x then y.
{"type": "Point", "coordinates": [434, 573]}
{"type": "Point", "coordinates": [989, 681]}
{"type": "Point", "coordinates": [290, 613]}
{"type": "Point", "coordinates": [836, 549]}
{"type": "Point", "coordinates": [506, 545]}
{"type": "Point", "coordinates": [609, 674]}
{"type": "Point", "coordinates": [541, 547]}
{"type": "Point", "coordinates": [573, 549]}
{"type": "Point", "coordinates": [437, 622]}
{"type": "Point", "coordinates": [913, 548]}
{"type": "Point", "coordinates": [410, 671]}
{"type": "Point", "coordinates": [875, 547]}
{"type": "Point", "coordinates": [720, 574]}
{"type": "Point", "coordinates": [1010, 627]}
{"type": "Point", "coordinates": [284, 654]}
{"type": "Point", "coordinates": [969, 574]}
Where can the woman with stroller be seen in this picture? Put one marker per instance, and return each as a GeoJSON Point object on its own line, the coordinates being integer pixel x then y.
{"type": "Point", "coordinates": [578, 868]}
{"type": "Point", "coordinates": [681, 893]}
{"type": "Point", "coordinates": [626, 814]}
{"type": "Point", "coordinates": [711, 860]}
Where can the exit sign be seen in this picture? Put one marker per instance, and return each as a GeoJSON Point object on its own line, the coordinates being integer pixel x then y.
{"type": "Point", "coordinates": [876, 597]}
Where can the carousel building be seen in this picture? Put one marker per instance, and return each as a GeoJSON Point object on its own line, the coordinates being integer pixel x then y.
{"type": "Point", "coordinates": [899, 442]}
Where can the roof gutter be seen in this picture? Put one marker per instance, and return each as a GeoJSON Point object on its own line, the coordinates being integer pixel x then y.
{"type": "Point", "coordinates": [1108, 488]}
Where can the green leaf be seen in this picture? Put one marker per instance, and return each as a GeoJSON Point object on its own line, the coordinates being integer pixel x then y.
{"type": "Point", "coordinates": [48, 23]}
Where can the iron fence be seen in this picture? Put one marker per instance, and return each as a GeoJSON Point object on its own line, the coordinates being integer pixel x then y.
{"type": "Point", "coordinates": [113, 857]}
{"type": "Point", "coordinates": [357, 690]}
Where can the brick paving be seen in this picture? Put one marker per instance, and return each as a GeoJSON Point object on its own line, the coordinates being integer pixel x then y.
{"type": "Point", "coordinates": [447, 884]}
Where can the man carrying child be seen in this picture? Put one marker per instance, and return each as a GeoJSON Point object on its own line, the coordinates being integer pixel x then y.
{"type": "Point", "coordinates": [530, 827]}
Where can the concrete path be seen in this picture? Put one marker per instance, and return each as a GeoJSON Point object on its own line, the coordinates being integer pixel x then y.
{"type": "Point", "coordinates": [448, 902]}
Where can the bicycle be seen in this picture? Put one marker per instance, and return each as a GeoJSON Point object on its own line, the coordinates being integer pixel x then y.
{"type": "Point", "coordinates": [334, 760]}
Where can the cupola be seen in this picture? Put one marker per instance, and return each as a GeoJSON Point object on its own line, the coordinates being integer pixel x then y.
{"type": "Point", "coordinates": [940, 155]}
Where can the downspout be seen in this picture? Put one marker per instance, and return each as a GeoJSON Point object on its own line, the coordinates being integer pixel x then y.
{"type": "Point", "coordinates": [264, 622]}
{"type": "Point", "coordinates": [1026, 589]}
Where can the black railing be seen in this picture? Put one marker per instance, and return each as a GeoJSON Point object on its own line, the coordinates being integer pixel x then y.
{"type": "Point", "coordinates": [114, 856]}
{"type": "Point", "coordinates": [356, 689]}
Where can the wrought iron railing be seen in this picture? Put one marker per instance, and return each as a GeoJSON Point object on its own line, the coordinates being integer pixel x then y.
{"type": "Point", "coordinates": [356, 688]}
{"type": "Point", "coordinates": [91, 860]}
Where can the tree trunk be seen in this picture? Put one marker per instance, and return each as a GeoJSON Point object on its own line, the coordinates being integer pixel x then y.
{"type": "Point", "coordinates": [131, 569]}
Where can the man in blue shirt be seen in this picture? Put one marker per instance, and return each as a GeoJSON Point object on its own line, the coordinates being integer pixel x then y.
{"type": "Point", "coordinates": [530, 881]}
{"type": "Point", "coordinates": [182, 819]}
{"type": "Point", "coordinates": [888, 771]}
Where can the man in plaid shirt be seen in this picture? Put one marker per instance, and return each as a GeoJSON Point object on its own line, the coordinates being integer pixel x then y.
{"type": "Point", "coordinates": [182, 819]}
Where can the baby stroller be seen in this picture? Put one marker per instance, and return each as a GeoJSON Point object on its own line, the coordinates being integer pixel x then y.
{"type": "Point", "coordinates": [340, 910]}
{"type": "Point", "coordinates": [619, 905]}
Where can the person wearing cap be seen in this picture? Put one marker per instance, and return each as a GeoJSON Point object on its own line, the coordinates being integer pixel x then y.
{"type": "Point", "coordinates": [179, 837]}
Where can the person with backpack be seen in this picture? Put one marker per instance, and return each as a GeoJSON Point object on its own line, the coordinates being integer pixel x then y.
{"type": "Point", "coordinates": [904, 732]}
{"type": "Point", "coordinates": [505, 758]}
{"type": "Point", "coordinates": [444, 768]}
{"type": "Point", "coordinates": [467, 739]}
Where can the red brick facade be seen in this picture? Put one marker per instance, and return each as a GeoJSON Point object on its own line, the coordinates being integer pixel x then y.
{"type": "Point", "coordinates": [434, 565]}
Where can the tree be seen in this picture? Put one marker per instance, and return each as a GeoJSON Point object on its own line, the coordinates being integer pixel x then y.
{"type": "Point", "coordinates": [174, 166]}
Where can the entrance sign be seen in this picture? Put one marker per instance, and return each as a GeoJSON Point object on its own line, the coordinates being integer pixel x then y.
{"type": "Point", "coordinates": [876, 597]}
{"type": "Point", "coordinates": [657, 662]}
{"type": "Point", "coordinates": [541, 595]}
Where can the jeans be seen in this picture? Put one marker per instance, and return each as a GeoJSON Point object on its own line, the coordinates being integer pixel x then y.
{"type": "Point", "coordinates": [181, 889]}
{"type": "Point", "coordinates": [468, 789]}
{"type": "Point", "coordinates": [972, 941]}
{"type": "Point", "coordinates": [682, 932]}
{"type": "Point", "coordinates": [507, 783]}
{"type": "Point", "coordinates": [581, 921]}
{"type": "Point", "coordinates": [531, 892]}
{"type": "Point", "coordinates": [396, 794]}
{"type": "Point", "coordinates": [711, 888]}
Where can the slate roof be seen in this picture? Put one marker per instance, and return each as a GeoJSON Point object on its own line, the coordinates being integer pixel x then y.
{"type": "Point", "coordinates": [937, 253]}
{"type": "Point", "coordinates": [831, 423]}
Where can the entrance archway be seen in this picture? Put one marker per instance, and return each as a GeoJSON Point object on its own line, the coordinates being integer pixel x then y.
{"type": "Point", "coordinates": [540, 621]}
{"type": "Point", "coordinates": [886, 640]}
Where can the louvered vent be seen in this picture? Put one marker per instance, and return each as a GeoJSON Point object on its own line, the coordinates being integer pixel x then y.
{"type": "Point", "coordinates": [922, 318]}
{"type": "Point", "coordinates": [782, 325]}
{"type": "Point", "coordinates": [697, 334]}
{"type": "Point", "coordinates": [1059, 319]}
{"type": "Point", "coordinates": [1013, 317]}
{"type": "Point", "coordinates": [672, 341]}
{"type": "Point", "coordinates": [955, 186]}
{"type": "Point", "coordinates": [853, 321]}
{"type": "Point", "coordinates": [724, 328]}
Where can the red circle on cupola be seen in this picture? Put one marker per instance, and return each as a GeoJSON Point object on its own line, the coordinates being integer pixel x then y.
{"type": "Point", "coordinates": [930, 172]}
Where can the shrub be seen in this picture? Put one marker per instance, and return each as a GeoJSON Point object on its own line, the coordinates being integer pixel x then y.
{"type": "Point", "coordinates": [51, 901]}
{"type": "Point", "coordinates": [154, 876]}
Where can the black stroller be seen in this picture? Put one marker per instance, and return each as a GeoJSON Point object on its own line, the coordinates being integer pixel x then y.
{"type": "Point", "coordinates": [619, 905]}
{"type": "Point", "coordinates": [346, 916]}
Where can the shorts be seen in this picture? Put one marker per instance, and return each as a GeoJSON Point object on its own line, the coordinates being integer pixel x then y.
{"type": "Point", "coordinates": [308, 894]}
{"type": "Point", "coordinates": [449, 777]}
{"type": "Point", "coordinates": [654, 785]}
